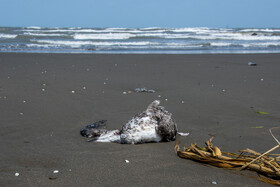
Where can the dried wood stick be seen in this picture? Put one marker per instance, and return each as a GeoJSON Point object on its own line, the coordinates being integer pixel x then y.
{"type": "Point", "coordinates": [272, 149]}
{"type": "Point", "coordinates": [270, 130]}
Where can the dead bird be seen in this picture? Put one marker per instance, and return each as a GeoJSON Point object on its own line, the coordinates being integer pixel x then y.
{"type": "Point", "coordinates": [155, 124]}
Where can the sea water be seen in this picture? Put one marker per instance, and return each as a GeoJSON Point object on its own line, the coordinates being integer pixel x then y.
{"type": "Point", "coordinates": [139, 40]}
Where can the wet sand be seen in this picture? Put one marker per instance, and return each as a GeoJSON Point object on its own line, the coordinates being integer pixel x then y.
{"type": "Point", "coordinates": [45, 99]}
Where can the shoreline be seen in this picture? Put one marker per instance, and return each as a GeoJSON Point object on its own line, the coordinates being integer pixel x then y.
{"type": "Point", "coordinates": [46, 98]}
{"type": "Point", "coordinates": [143, 53]}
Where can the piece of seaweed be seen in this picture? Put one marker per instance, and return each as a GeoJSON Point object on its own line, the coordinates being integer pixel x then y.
{"type": "Point", "coordinates": [266, 165]}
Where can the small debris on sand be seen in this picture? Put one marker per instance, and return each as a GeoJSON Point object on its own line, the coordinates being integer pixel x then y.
{"type": "Point", "coordinates": [127, 92]}
{"type": "Point", "coordinates": [52, 178]}
{"type": "Point", "coordinates": [183, 134]}
{"type": "Point", "coordinates": [252, 64]}
{"type": "Point", "coordinates": [55, 171]}
{"type": "Point", "coordinates": [144, 90]}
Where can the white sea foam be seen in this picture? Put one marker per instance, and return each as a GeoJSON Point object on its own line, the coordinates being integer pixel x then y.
{"type": "Point", "coordinates": [43, 34]}
{"type": "Point", "coordinates": [235, 36]}
{"type": "Point", "coordinates": [93, 30]}
{"type": "Point", "coordinates": [194, 30]}
{"type": "Point", "coordinates": [41, 45]}
{"type": "Point", "coordinates": [108, 36]}
{"type": "Point", "coordinates": [220, 44]}
{"type": "Point", "coordinates": [162, 35]}
{"type": "Point", "coordinates": [74, 44]}
{"type": "Point", "coordinates": [260, 30]}
{"type": "Point", "coordinates": [76, 30]}
{"type": "Point", "coordinates": [50, 30]}
{"type": "Point", "coordinates": [265, 44]}
{"type": "Point", "coordinates": [174, 47]}
{"type": "Point", "coordinates": [58, 30]}
{"type": "Point", "coordinates": [8, 36]}
{"type": "Point", "coordinates": [250, 37]}
{"type": "Point", "coordinates": [81, 43]}
{"type": "Point", "coordinates": [34, 27]}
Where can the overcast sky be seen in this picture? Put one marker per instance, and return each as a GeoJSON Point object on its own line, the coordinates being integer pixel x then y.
{"type": "Point", "coordinates": [141, 13]}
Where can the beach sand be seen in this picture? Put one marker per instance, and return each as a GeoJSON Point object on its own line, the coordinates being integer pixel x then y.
{"type": "Point", "coordinates": [45, 99]}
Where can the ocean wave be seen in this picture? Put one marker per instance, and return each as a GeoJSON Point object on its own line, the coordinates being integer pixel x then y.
{"type": "Point", "coordinates": [220, 44]}
{"type": "Point", "coordinates": [194, 30]}
{"type": "Point", "coordinates": [47, 46]}
{"type": "Point", "coordinates": [261, 45]}
{"type": "Point", "coordinates": [82, 43]}
{"type": "Point", "coordinates": [234, 36]}
{"type": "Point", "coordinates": [158, 35]}
{"type": "Point", "coordinates": [93, 30]}
{"type": "Point", "coordinates": [125, 36]}
{"type": "Point", "coordinates": [260, 30]}
{"type": "Point", "coordinates": [139, 39]}
{"type": "Point", "coordinates": [34, 27]}
{"type": "Point", "coordinates": [8, 36]}
{"type": "Point", "coordinates": [43, 34]}
{"type": "Point", "coordinates": [107, 36]}
{"type": "Point", "coordinates": [254, 38]}
{"type": "Point", "coordinates": [48, 30]}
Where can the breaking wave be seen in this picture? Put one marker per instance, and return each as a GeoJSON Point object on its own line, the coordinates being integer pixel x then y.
{"type": "Point", "coordinates": [144, 40]}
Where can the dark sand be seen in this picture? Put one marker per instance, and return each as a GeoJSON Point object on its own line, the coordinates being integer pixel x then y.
{"type": "Point", "coordinates": [40, 129]}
